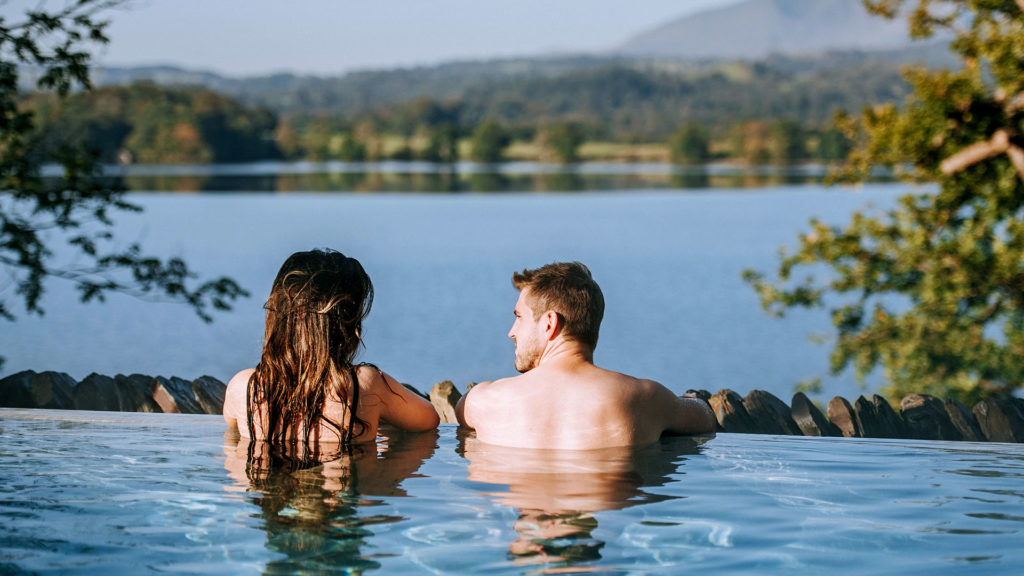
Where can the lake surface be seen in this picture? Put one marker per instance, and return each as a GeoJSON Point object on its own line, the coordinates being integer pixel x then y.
{"type": "Point", "coordinates": [668, 259]}
{"type": "Point", "coordinates": [106, 493]}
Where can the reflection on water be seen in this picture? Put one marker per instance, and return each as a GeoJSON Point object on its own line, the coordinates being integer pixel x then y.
{"type": "Point", "coordinates": [313, 506]}
{"type": "Point", "coordinates": [461, 177]}
{"type": "Point", "coordinates": [452, 182]}
{"type": "Point", "coordinates": [316, 509]}
{"type": "Point", "coordinates": [557, 492]}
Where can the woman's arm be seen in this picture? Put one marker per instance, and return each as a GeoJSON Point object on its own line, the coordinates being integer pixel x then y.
{"type": "Point", "coordinates": [404, 408]}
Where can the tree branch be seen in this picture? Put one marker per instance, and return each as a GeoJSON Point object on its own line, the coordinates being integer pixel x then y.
{"type": "Point", "coordinates": [82, 8]}
{"type": "Point", "coordinates": [1016, 104]}
{"type": "Point", "coordinates": [998, 144]}
{"type": "Point", "coordinates": [1016, 154]}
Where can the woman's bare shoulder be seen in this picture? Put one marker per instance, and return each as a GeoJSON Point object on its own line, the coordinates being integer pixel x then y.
{"type": "Point", "coordinates": [371, 378]}
{"type": "Point", "coordinates": [242, 377]}
{"type": "Point", "coordinates": [367, 371]}
{"type": "Point", "coordinates": [235, 398]}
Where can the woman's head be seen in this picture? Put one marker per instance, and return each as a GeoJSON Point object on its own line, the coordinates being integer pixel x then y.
{"type": "Point", "coordinates": [319, 298]}
{"type": "Point", "coordinates": [313, 329]}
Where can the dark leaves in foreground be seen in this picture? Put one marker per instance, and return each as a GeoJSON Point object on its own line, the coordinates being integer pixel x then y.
{"type": "Point", "coordinates": [74, 208]}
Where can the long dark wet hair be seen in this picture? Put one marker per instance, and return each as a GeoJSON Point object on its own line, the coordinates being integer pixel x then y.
{"type": "Point", "coordinates": [313, 329]}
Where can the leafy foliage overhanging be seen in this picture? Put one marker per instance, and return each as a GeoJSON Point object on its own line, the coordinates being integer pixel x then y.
{"type": "Point", "coordinates": [76, 207]}
{"type": "Point", "coordinates": [932, 290]}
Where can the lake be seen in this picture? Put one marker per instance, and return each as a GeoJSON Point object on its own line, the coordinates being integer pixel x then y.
{"type": "Point", "coordinates": [668, 258]}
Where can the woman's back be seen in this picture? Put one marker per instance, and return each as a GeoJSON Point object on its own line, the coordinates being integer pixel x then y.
{"type": "Point", "coordinates": [306, 387]}
{"type": "Point", "coordinates": [380, 398]}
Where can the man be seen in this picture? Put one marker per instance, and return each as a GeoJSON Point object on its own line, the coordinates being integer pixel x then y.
{"type": "Point", "coordinates": [562, 400]}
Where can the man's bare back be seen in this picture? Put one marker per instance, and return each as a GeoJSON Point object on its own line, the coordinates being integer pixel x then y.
{"type": "Point", "coordinates": [562, 400]}
{"type": "Point", "coordinates": [574, 405]}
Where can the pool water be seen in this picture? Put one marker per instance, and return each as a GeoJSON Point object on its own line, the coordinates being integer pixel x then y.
{"type": "Point", "coordinates": [107, 493]}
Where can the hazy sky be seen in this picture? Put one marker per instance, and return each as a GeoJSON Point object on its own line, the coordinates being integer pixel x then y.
{"type": "Point", "coordinates": [247, 37]}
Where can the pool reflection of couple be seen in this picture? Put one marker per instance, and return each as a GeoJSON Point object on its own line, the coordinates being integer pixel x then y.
{"type": "Point", "coordinates": [311, 508]}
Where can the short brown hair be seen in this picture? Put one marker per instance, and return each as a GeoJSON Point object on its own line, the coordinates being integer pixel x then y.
{"type": "Point", "coordinates": [569, 290]}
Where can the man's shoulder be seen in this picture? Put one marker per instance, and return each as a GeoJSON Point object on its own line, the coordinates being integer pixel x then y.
{"type": "Point", "coordinates": [492, 387]}
{"type": "Point", "coordinates": [652, 389]}
{"type": "Point", "coordinates": [488, 399]}
{"type": "Point", "coordinates": [627, 382]}
{"type": "Point", "coordinates": [479, 403]}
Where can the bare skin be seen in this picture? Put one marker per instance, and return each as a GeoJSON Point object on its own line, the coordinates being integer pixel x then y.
{"type": "Point", "coordinates": [563, 401]}
{"type": "Point", "coordinates": [379, 402]}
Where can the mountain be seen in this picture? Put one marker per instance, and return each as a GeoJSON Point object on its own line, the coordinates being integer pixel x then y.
{"type": "Point", "coordinates": [515, 90]}
{"type": "Point", "coordinates": [755, 29]}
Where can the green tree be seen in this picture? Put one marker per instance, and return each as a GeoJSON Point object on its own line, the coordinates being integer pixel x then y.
{"type": "Point", "coordinates": [690, 145]}
{"type": "Point", "coordinates": [403, 153]}
{"type": "Point", "coordinates": [832, 145]}
{"type": "Point", "coordinates": [931, 290]}
{"type": "Point", "coordinates": [317, 139]}
{"type": "Point", "coordinates": [563, 141]}
{"type": "Point", "coordinates": [752, 142]}
{"type": "Point", "coordinates": [443, 145]}
{"type": "Point", "coordinates": [75, 208]}
{"type": "Point", "coordinates": [787, 142]}
{"type": "Point", "coordinates": [488, 142]}
{"type": "Point", "coordinates": [350, 150]}
{"type": "Point", "coordinates": [288, 140]}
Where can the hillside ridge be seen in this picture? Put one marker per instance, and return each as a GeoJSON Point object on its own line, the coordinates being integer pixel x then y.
{"type": "Point", "coordinates": [755, 29]}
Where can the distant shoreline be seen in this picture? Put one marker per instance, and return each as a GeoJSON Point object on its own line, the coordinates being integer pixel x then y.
{"type": "Point", "coordinates": [418, 176]}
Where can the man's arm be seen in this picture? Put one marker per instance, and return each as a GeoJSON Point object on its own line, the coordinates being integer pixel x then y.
{"type": "Point", "coordinates": [693, 416]}
{"type": "Point", "coordinates": [686, 415]}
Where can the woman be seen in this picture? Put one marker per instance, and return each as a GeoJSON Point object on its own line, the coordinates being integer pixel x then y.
{"type": "Point", "coordinates": [305, 389]}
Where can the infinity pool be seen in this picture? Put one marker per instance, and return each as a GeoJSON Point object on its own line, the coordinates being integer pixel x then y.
{"type": "Point", "coordinates": [107, 493]}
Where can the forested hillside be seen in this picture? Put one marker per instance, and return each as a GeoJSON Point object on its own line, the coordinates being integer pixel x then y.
{"type": "Point", "coordinates": [742, 109]}
{"type": "Point", "coordinates": [648, 103]}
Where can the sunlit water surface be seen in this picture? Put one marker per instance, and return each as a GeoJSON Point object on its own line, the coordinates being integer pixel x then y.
{"type": "Point", "coordinates": [103, 493]}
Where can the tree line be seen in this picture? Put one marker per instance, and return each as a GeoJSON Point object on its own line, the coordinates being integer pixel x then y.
{"type": "Point", "coordinates": [776, 111]}
{"type": "Point", "coordinates": [144, 122]}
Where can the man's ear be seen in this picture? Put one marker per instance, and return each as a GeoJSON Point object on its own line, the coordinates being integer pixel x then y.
{"type": "Point", "coordinates": [553, 324]}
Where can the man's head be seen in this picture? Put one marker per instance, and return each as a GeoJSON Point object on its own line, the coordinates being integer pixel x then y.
{"type": "Point", "coordinates": [566, 289]}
